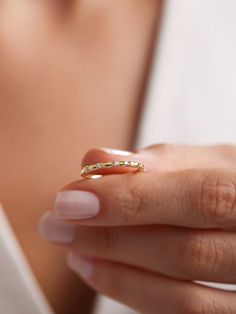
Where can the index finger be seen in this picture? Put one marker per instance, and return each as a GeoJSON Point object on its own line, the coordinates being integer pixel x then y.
{"type": "Point", "coordinates": [190, 198]}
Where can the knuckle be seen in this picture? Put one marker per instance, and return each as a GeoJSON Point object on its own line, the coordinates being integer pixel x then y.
{"type": "Point", "coordinates": [216, 198]}
{"type": "Point", "coordinates": [192, 256]}
{"type": "Point", "coordinates": [133, 199]}
{"type": "Point", "coordinates": [98, 241]}
{"type": "Point", "coordinates": [84, 241]}
{"type": "Point", "coordinates": [197, 303]}
{"type": "Point", "coordinates": [199, 255]}
{"type": "Point", "coordinates": [105, 240]}
{"type": "Point", "coordinates": [167, 149]}
{"type": "Point", "coordinates": [163, 147]}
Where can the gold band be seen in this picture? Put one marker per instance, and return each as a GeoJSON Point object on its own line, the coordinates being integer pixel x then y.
{"type": "Point", "coordinates": [87, 171]}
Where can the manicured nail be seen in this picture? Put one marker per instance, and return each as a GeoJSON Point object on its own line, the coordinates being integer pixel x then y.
{"type": "Point", "coordinates": [76, 205]}
{"type": "Point", "coordinates": [118, 152]}
{"type": "Point", "coordinates": [55, 230]}
{"type": "Point", "coordinates": [81, 265]}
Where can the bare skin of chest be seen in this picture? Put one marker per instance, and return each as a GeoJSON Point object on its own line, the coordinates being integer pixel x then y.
{"type": "Point", "coordinates": [71, 78]}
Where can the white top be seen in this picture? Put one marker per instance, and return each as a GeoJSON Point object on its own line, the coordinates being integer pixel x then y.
{"type": "Point", "coordinates": [191, 99]}
{"type": "Point", "coordinates": [192, 96]}
{"type": "Point", "coordinates": [19, 291]}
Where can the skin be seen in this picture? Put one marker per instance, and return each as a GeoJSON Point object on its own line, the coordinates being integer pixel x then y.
{"type": "Point", "coordinates": [164, 228]}
{"type": "Point", "coordinates": [52, 55]}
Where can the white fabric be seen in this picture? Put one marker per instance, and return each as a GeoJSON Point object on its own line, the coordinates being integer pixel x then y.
{"type": "Point", "coordinates": [192, 94]}
{"type": "Point", "coordinates": [19, 292]}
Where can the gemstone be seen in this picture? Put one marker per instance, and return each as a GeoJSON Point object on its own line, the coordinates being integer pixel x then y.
{"type": "Point", "coordinates": [115, 163]}
{"type": "Point", "coordinates": [108, 164]}
{"type": "Point", "coordinates": [122, 163]}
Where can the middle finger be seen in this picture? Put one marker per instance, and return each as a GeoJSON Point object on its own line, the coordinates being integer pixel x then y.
{"type": "Point", "coordinates": [174, 252]}
{"type": "Point", "coordinates": [181, 253]}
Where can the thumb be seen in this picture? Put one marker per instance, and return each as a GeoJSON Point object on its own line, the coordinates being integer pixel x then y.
{"type": "Point", "coordinates": [162, 157]}
{"type": "Point", "coordinates": [148, 156]}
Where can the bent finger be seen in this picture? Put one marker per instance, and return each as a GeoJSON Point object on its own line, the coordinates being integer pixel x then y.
{"type": "Point", "coordinates": [197, 198]}
{"type": "Point", "coordinates": [165, 157]}
{"type": "Point", "coordinates": [149, 293]}
{"type": "Point", "coordinates": [174, 252]}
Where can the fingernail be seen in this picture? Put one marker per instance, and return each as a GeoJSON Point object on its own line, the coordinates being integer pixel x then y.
{"type": "Point", "coordinates": [76, 205]}
{"type": "Point", "coordinates": [81, 265]}
{"type": "Point", "coordinates": [118, 152]}
{"type": "Point", "coordinates": [55, 230]}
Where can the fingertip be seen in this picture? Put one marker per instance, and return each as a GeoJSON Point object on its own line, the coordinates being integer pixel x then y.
{"type": "Point", "coordinates": [52, 229]}
{"type": "Point", "coordinates": [81, 265]}
{"type": "Point", "coordinates": [103, 154]}
{"type": "Point", "coordinates": [92, 156]}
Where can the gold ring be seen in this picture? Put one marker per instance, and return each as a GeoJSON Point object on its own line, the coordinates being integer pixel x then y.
{"type": "Point", "coordinates": [87, 171]}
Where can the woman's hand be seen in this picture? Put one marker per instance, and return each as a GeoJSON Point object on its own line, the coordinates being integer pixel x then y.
{"type": "Point", "coordinates": [143, 238]}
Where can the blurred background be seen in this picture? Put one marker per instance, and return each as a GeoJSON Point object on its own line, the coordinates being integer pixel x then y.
{"type": "Point", "coordinates": [77, 74]}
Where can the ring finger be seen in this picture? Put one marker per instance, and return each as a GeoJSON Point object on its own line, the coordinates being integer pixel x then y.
{"type": "Point", "coordinates": [149, 293]}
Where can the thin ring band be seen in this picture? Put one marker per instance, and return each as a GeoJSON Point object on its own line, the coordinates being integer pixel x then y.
{"type": "Point", "coordinates": [87, 171]}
